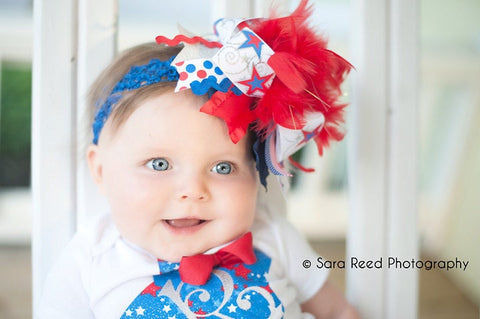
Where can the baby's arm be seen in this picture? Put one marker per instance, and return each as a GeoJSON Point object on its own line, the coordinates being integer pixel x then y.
{"type": "Point", "coordinates": [329, 303]}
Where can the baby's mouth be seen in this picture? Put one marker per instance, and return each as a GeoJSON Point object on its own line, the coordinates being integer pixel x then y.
{"type": "Point", "coordinates": [184, 222]}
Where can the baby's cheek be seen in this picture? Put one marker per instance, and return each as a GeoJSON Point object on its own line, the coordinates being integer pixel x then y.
{"type": "Point", "coordinates": [243, 211]}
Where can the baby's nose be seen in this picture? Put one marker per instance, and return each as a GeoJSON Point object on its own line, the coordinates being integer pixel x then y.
{"type": "Point", "coordinates": [193, 195]}
{"type": "Point", "coordinates": [194, 189]}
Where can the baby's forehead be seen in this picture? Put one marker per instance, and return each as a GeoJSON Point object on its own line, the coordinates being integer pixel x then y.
{"type": "Point", "coordinates": [175, 119]}
{"type": "Point", "coordinates": [134, 103]}
{"type": "Point", "coordinates": [176, 110]}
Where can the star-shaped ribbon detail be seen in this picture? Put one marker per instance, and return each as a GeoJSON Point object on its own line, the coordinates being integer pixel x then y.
{"type": "Point", "coordinates": [256, 82]}
{"type": "Point", "coordinates": [253, 41]}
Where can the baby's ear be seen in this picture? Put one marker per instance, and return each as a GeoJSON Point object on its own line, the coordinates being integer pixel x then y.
{"type": "Point", "coordinates": [95, 165]}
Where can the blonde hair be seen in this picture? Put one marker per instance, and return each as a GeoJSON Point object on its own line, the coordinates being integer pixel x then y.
{"type": "Point", "coordinates": [130, 100]}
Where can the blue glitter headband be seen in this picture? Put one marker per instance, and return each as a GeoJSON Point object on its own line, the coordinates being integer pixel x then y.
{"type": "Point", "coordinates": [139, 76]}
{"type": "Point", "coordinates": [154, 72]}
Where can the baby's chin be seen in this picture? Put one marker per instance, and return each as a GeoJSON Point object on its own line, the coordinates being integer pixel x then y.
{"type": "Point", "coordinates": [174, 250]}
{"type": "Point", "coordinates": [175, 254]}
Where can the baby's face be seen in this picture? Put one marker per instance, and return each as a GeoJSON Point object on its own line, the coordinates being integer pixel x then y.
{"type": "Point", "coordinates": [176, 183]}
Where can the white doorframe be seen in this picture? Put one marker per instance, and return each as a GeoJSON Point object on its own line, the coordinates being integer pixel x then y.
{"type": "Point", "coordinates": [53, 137]}
{"type": "Point", "coordinates": [73, 41]}
{"type": "Point", "coordinates": [383, 157]}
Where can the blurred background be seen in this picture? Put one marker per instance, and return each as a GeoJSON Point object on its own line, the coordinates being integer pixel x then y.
{"type": "Point", "coordinates": [449, 163]}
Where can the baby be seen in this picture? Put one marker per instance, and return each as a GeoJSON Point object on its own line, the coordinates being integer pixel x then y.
{"type": "Point", "coordinates": [180, 148]}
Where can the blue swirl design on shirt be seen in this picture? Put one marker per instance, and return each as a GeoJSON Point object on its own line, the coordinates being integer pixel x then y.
{"type": "Point", "coordinates": [240, 292]}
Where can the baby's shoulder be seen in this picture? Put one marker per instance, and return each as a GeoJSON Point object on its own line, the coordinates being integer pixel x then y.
{"type": "Point", "coordinates": [94, 236]}
{"type": "Point", "coordinates": [271, 225]}
{"type": "Point", "coordinates": [271, 232]}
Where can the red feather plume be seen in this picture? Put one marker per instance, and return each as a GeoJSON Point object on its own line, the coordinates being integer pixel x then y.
{"type": "Point", "coordinates": [309, 76]}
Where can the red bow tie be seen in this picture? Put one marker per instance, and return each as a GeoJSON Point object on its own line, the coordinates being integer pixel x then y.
{"type": "Point", "coordinates": [196, 270]}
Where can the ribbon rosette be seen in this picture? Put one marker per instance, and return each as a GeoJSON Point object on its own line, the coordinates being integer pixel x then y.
{"type": "Point", "coordinates": [241, 60]}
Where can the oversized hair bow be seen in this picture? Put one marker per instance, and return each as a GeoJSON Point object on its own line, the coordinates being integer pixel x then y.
{"type": "Point", "coordinates": [275, 75]}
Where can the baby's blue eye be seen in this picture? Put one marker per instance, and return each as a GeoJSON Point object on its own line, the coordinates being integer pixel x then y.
{"type": "Point", "coordinates": [222, 168]}
{"type": "Point", "coordinates": [158, 164]}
